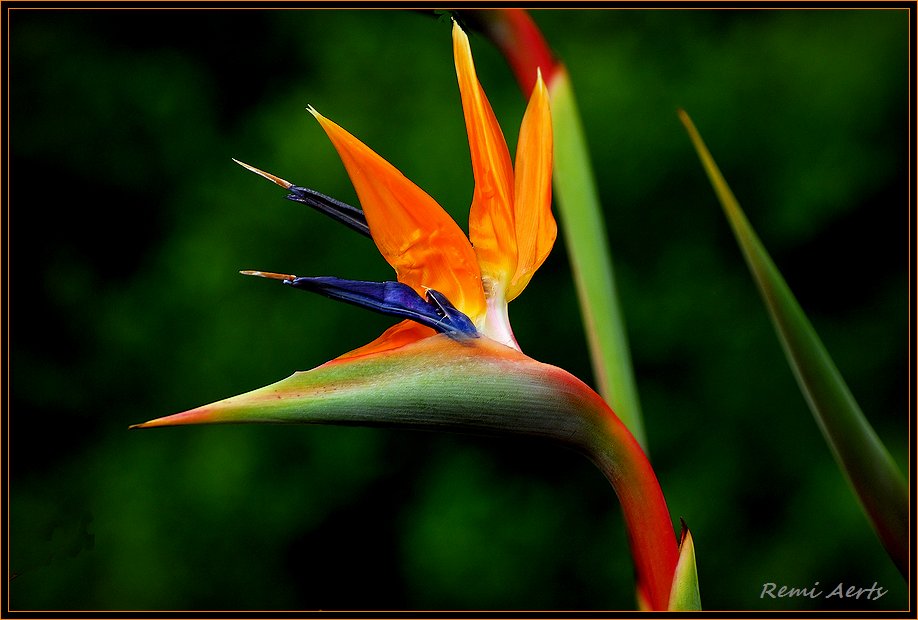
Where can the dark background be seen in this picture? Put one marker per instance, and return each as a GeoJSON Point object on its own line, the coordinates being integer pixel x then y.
{"type": "Point", "coordinates": [128, 223]}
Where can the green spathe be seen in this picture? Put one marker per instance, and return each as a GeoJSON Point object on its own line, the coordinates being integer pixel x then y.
{"type": "Point", "coordinates": [473, 386]}
{"type": "Point", "coordinates": [685, 595]}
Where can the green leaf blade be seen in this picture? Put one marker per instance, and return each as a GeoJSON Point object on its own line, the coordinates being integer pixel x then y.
{"type": "Point", "coordinates": [873, 475]}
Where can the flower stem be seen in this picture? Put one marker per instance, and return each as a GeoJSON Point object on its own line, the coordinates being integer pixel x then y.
{"type": "Point", "coordinates": [616, 452]}
{"type": "Point", "coordinates": [584, 232]}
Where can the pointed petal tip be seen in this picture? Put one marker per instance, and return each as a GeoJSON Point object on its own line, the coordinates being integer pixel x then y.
{"type": "Point", "coordinates": [461, 45]}
{"type": "Point", "coordinates": [539, 88]}
{"type": "Point", "coordinates": [265, 175]}
{"type": "Point", "coordinates": [326, 123]}
{"type": "Point", "coordinates": [268, 274]}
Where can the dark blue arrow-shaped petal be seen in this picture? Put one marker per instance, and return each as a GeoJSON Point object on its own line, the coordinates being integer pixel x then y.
{"type": "Point", "coordinates": [391, 298]}
{"type": "Point", "coordinates": [350, 216]}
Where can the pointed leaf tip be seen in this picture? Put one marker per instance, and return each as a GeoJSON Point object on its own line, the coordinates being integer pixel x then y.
{"type": "Point", "coordinates": [871, 472]}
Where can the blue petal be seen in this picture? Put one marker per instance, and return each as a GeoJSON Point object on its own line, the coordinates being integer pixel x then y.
{"type": "Point", "coordinates": [394, 299]}
{"type": "Point", "coordinates": [350, 216]}
{"type": "Point", "coordinates": [447, 310]}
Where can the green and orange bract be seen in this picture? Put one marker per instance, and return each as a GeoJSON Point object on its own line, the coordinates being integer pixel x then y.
{"type": "Point", "coordinates": [413, 377]}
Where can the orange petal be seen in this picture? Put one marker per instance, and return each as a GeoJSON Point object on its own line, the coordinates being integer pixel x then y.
{"type": "Point", "coordinates": [535, 226]}
{"type": "Point", "coordinates": [414, 234]}
{"type": "Point", "coordinates": [396, 336]}
{"type": "Point", "coordinates": [491, 227]}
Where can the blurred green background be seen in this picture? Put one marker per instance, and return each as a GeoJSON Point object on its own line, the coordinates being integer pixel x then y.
{"type": "Point", "coordinates": [128, 223]}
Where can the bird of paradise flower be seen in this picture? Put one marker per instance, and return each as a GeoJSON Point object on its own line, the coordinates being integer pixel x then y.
{"type": "Point", "coordinates": [453, 362]}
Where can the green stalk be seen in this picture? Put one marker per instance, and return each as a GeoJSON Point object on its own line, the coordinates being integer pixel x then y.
{"type": "Point", "coordinates": [871, 472]}
{"type": "Point", "coordinates": [585, 236]}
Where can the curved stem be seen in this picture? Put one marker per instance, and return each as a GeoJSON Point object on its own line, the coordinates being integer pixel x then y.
{"type": "Point", "coordinates": [616, 452]}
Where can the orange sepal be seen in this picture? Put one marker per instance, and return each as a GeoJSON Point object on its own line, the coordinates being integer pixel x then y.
{"type": "Point", "coordinates": [491, 227]}
{"type": "Point", "coordinates": [414, 234]}
{"type": "Point", "coordinates": [396, 336]}
{"type": "Point", "coordinates": [535, 225]}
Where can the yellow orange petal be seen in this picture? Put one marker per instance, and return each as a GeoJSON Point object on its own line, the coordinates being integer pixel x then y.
{"type": "Point", "coordinates": [414, 234]}
{"type": "Point", "coordinates": [396, 336]}
{"type": "Point", "coordinates": [535, 226]}
{"type": "Point", "coordinates": [491, 227]}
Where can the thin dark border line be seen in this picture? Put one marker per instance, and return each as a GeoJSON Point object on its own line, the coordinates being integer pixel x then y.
{"type": "Point", "coordinates": [12, 5]}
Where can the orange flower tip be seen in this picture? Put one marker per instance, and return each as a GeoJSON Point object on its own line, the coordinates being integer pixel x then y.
{"type": "Point", "coordinates": [461, 39]}
{"type": "Point", "coordinates": [323, 121]}
{"type": "Point", "coordinates": [539, 87]}
{"type": "Point", "coordinates": [268, 274]}
{"type": "Point", "coordinates": [266, 175]}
